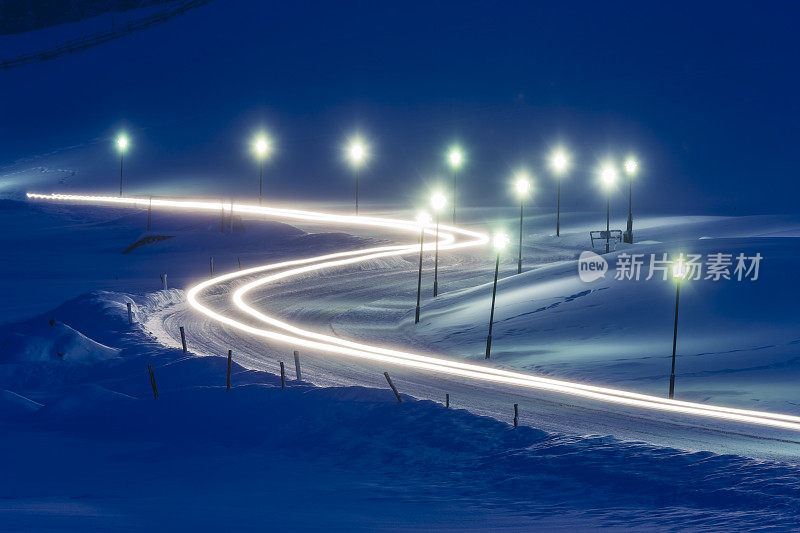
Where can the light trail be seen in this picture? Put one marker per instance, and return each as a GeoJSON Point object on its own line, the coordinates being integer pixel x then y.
{"type": "Point", "coordinates": [296, 336]}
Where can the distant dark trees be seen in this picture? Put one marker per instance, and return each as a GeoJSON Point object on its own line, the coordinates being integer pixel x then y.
{"type": "Point", "coordinates": [17, 16]}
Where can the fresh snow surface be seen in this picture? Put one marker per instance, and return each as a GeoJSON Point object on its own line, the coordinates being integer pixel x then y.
{"type": "Point", "coordinates": [88, 448]}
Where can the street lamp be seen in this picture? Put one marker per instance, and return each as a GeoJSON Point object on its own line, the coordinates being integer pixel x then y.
{"type": "Point", "coordinates": [262, 148]}
{"type": "Point", "coordinates": [423, 218]}
{"type": "Point", "coordinates": [522, 187]}
{"type": "Point", "coordinates": [678, 274]}
{"type": "Point", "coordinates": [438, 201]}
{"type": "Point", "coordinates": [122, 145]}
{"type": "Point", "coordinates": [608, 175]}
{"type": "Point", "coordinates": [499, 241]}
{"type": "Point", "coordinates": [559, 163]}
{"type": "Point", "coordinates": [455, 158]}
{"type": "Point", "coordinates": [631, 166]}
{"type": "Point", "coordinates": [357, 154]}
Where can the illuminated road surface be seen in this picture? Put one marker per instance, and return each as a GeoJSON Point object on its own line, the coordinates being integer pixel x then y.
{"type": "Point", "coordinates": [450, 238]}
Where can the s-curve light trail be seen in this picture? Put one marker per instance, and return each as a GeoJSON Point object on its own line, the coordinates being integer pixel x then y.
{"type": "Point", "coordinates": [450, 238]}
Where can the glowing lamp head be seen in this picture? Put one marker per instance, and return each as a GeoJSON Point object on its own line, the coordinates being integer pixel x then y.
{"type": "Point", "coordinates": [631, 166]}
{"type": "Point", "coordinates": [559, 162]}
{"type": "Point", "coordinates": [608, 175]}
{"type": "Point", "coordinates": [423, 218]}
{"type": "Point", "coordinates": [522, 184]}
{"type": "Point", "coordinates": [438, 201]}
{"type": "Point", "coordinates": [122, 142]}
{"type": "Point", "coordinates": [455, 158]}
{"type": "Point", "coordinates": [261, 146]}
{"type": "Point", "coordinates": [499, 241]}
{"type": "Point", "coordinates": [357, 152]}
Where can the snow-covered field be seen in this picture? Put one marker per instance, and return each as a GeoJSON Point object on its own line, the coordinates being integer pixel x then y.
{"type": "Point", "coordinates": [93, 450]}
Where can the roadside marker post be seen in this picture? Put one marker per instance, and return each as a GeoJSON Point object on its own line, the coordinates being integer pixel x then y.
{"type": "Point", "coordinates": [183, 339]}
{"type": "Point", "coordinates": [297, 365]}
{"type": "Point", "coordinates": [283, 376]}
{"type": "Point", "coordinates": [153, 382]}
{"type": "Point", "coordinates": [394, 389]}
{"type": "Point", "coordinates": [516, 415]}
{"type": "Point", "coordinates": [130, 314]}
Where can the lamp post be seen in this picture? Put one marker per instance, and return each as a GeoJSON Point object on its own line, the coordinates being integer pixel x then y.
{"type": "Point", "coordinates": [424, 219]}
{"type": "Point", "coordinates": [357, 154]}
{"type": "Point", "coordinates": [455, 158]}
{"type": "Point", "coordinates": [499, 242]}
{"type": "Point", "coordinates": [608, 175]}
{"type": "Point", "coordinates": [438, 201]}
{"type": "Point", "coordinates": [558, 163]}
{"type": "Point", "coordinates": [262, 148]}
{"type": "Point", "coordinates": [678, 273]}
{"type": "Point", "coordinates": [122, 145]}
{"type": "Point", "coordinates": [631, 166]}
{"type": "Point", "coordinates": [522, 186]}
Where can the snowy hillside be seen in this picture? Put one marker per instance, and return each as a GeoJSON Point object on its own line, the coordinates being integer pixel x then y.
{"type": "Point", "coordinates": [93, 451]}
{"type": "Point", "coordinates": [619, 331]}
{"type": "Point", "coordinates": [78, 411]}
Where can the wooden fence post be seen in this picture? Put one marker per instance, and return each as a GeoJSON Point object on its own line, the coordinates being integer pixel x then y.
{"type": "Point", "coordinates": [297, 365]}
{"type": "Point", "coordinates": [516, 414]}
{"type": "Point", "coordinates": [283, 376]}
{"type": "Point", "coordinates": [394, 389]}
{"type": "Point", "coordinates": [153, 381]}
{"type": "Point", "coordinates": [183, 339]}
{"type": "Point", "coordinates": [447, 401]}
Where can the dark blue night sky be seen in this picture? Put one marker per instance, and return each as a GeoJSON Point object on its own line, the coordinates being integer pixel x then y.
{"type": "Point", "coordinates": [705, 94]}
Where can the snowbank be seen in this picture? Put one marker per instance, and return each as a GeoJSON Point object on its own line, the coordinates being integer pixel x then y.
{"type": "Point", "coordinates": [412, 454]}
{"type": "Point", "coordinates": [14, 406]}
{"type": "Point", "coordinates": [52, 341]}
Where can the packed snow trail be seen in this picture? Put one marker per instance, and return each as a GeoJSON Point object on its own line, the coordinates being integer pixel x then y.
{"type": "Point", "coordinates": [449, 238]}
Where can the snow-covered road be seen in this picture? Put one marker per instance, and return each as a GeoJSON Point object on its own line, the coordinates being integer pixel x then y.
{"type": "Point", "coordinates": [234, 309]}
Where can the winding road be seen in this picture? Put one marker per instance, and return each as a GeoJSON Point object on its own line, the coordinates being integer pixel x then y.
{"type": "Point", "coordinates": [230, 300]}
